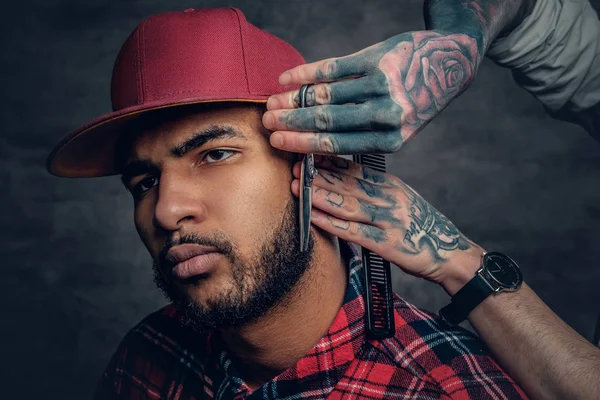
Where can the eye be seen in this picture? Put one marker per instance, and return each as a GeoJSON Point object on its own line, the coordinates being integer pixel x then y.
{"type": "Point", "coordinates": [217, 155]}
{"type": "Point", "coordinates": [144, 185]}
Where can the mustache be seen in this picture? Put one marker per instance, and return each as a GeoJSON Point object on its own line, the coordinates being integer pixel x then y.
{"type": "Point", "coordinates": [218, 241]}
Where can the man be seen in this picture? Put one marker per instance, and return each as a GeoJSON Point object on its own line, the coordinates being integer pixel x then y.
{"type": "Point", "coordinates": [252, 315]}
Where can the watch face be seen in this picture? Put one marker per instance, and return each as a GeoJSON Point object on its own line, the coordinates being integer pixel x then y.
{"type": "Point", "coordinates": [503, 270]}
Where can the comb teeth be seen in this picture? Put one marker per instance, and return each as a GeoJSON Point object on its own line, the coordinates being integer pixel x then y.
{"type": "Point", "coordinates": [373, 161]}
{"type": "Point", "coordinates": [379, 296]}
{"type": "Point", "coordinates": [378, 281]}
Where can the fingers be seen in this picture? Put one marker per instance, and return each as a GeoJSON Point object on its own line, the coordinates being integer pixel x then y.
{"type": "Point", "coordinates": [379, 113]}
{"type": "Point", "coordinates": [327, 70]}
{"type": "Point", "coordinates": [345, 185]}
{"type": "Point", "coordinates": [352, 169]}
{"type": "Point", "coordinates": [350, 208]}
{"type": "Point", "coordinates": [334, 118]}
{"type": "Point", "coordinates": [356, 170]}
{"type": "Point", "coordinates": [361, 142]}
{"type": "Point", "coordinates": [340, 92]}
{"type": "Point", "coordinates": [368, 236]}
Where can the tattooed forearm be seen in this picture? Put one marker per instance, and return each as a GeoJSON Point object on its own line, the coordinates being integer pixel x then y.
{"type": "Point", "coordinates": [482, 19]}
{"type": "Point", "coordinates": [430, 230]}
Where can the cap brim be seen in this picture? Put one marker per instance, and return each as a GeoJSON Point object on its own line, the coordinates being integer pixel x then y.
{"type": "Point", "coordinates": [90, 150]}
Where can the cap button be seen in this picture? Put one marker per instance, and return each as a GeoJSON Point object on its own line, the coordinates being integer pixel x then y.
{"type": "Point", "coordinates": [189, 10]}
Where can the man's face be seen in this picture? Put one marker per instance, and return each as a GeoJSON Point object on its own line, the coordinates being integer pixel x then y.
{"type": "Point", "coordinates": [209, 179]}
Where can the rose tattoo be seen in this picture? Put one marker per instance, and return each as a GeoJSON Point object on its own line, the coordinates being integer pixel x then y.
{"type": "Point", "coordinates": [424, 74]}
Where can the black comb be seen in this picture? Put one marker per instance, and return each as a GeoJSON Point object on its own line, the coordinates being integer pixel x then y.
{"type": "Point", "coordinates": [378, 280]}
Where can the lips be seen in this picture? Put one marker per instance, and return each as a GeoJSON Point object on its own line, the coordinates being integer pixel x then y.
{"type": "Point", "coordinates": [190, 260]}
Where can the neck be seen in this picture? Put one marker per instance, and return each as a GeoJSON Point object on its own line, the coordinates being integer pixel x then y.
{"type": "Point", "coordinates": [278, 340]}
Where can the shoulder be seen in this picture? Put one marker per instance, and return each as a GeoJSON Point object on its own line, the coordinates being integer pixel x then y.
{"type": "Point", "coordinates": [157, 333]}
{"type": "Point", "coordinates": [149, 353]}
{"type": "Point", "coordinates": [451, 356]}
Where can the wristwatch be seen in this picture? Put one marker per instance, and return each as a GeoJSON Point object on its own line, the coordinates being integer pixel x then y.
{"type": "Point", "coordinates": [497, 273]}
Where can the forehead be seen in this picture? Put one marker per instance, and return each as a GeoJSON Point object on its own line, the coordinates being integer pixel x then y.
{"type": "Point", "coordinates": [168, 128]}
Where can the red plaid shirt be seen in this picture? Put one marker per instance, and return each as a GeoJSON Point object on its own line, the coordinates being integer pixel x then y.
{"type": "Point", "coordinates": [427, 359]}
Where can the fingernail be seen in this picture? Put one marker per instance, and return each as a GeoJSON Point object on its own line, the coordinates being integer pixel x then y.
{"type": "Point", "coordinates": [268, 120]}
{"type": "Point", "coordinates": [272, 103]}
{"type": "Point", "coordinates": [285, 78]}
{"type": "Point", "coordinates": [277, 140]}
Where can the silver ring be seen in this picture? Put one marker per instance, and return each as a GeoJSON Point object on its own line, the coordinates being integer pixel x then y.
{"type": "Point", "coordinates": [302, 95]}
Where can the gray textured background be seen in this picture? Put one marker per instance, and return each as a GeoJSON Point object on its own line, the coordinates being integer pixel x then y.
{"type": "Point", "coordinates": [75, 275]}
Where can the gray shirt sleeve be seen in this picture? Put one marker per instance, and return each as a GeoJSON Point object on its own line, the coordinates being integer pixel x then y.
{"type": "Point", "coordinates": [555, 54]}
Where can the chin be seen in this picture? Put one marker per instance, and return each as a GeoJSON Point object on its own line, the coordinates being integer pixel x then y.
{"type": "Point", "coordinates": [201, 290]}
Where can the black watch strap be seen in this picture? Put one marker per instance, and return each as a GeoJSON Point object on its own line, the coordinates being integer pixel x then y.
{"type": "Point", "coordinates": [466, 299]}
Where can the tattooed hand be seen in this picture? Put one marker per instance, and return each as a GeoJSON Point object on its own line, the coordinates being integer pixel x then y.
{"type": "Point", "coordinates": [380, 212]}
{"type": "Point", "coordinates": [376, 99]}
{"type": "Point", "coordinates": [401, 84]}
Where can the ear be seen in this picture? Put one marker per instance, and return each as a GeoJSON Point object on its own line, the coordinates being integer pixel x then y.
{"type": "Point", "coordinates": [295, 157]}
{"type": "Point", "coordinates": [292, 158]}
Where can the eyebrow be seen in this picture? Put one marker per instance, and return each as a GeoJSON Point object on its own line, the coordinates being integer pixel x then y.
{"type": "Point", "coordinates": [213, 133]}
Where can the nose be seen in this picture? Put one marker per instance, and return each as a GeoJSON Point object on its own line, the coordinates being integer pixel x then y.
{"type": "Point", "coordinates": [177, 202]}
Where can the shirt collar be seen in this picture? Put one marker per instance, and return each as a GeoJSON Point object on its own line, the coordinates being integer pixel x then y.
{"type": "Point", "coordinates": [327, 361]}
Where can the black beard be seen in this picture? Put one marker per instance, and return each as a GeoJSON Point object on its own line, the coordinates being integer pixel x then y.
{"type": "Point", "coordinates": [270, 279]}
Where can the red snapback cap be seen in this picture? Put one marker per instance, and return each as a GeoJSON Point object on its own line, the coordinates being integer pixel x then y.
{"type": "Point", "coordinates": [173, 59]}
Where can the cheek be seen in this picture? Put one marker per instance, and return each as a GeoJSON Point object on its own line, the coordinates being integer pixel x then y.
{"type": "Point", "coordinates": [142, 218]}
{"type": "Point", "coordinates": [252, 204]}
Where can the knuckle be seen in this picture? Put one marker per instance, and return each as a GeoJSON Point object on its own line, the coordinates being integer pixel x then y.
{"type": "Point", "coordinates": [323, 120]}
{"type": "Point", "coordinates": [381, 89]}
{"type": "Point", "coordinates": [369, 210]}
{"type": "Point", "coordinates": [388, 196]}
{"type": "Point", "coordinates": [395, 236]}
{"type": "Point", "coordinates": [300, 74]}
{"type": "Point", "coordinates": [326, 144]}
{"type": "Point", "coordinates": [327, 69]}
{"type": "Point", "coordinates": [347, 186]}
{"type": "Point", "coordinates": [323, 94]}
{"type": "Point", "coordinates": [372, 176]}
{"type": "Point", "coordinates": [389, 141]}
{"type": "Point", "coordinates": [293, 99]}
{"type": "Point", "coordinates": [351, 206]}
{"type": "Point", "coordinates": [394, 183]}
{"type": "Point", "coordinates": [379, 86]}
{"type": "Point", "coordinates": [387, 116]}
{"type": "Point", "coordinates": [395, 142]}
{"type": "Point", "coordinates": [355, 169]}
{"type": "Point", "coordinates": [354, 229]}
